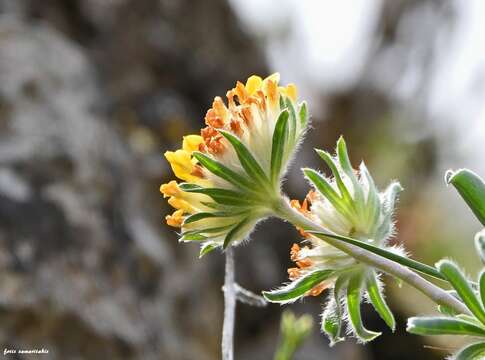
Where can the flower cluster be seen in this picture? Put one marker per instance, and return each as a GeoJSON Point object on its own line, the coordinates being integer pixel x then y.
{"type": "Point", "coordinates": [232, 171]}
{"type": "Point", "coordinates": [348, 205]}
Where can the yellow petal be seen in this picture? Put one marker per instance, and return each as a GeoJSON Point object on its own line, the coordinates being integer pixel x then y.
{"type": "Point", "coordinates": [274, 77]}
{"type": "Point", "coordinates": [191, 143]}
{"type": "Point", "coordinates": [170, 189]}
{"type": "Point", "coordinates": [176, 219]}
{"type": "Point", "coordinates": [291, 91]}
{"type": "Point", "coordinates": [180, 204]}
{"type": "Point", "coordinates": [181, 164]}
{"type": "Point", "coordinates": [272, 93]}
{"type": "Point", "coordinates": [253, 84]}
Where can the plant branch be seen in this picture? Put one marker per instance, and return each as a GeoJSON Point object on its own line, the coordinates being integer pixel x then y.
{"type": "Point", "coordinates": [229, 306]}
{"type": "Point", "coordinates": [249, 298]}
{"type": "Point", "coordinates": [435, 293]}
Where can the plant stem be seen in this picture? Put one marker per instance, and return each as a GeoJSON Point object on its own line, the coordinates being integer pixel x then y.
{"type": "Point", "coordinates": [405, 261]}
{"type": "Point", "coordinates": [229, 306]}
{"type": "Point", "coordinates": [435, 293]}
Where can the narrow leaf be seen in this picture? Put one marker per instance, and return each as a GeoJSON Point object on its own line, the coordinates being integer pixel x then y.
{"type": "Point", "coordinates": [390, 196]}
{"type": "Point", "coordinates": [323, 186]}
{"type": "Point", "coordinates": [378, 301]}
{"type": "Point", "coordinates": [231, 235]}
{"type": "Point", "coordinates": [280, 137]}
{"type": "Point", "coordinates": [332, 316]}
{"type": "Point", "coordinates": [471, 352]}
{"type": "Point", "coordinates": [480, 245]}
{"type": "Point", "coordinates": [193, 237]}
{"type": "Point", "coordinates": [282, 102]}
{"type": "Point", "coordinates": [344, 192]}
{"type": "Point", "coordinates": [445, 310]}
{"type": "Point", "coordinates": [344, 161]}
{"type": "Point", "coordinates": [298, 288]}
{"type": "Point", "coordinates": [481, 282]}
{"type": "Point", "coordinates": [198, 216]}
{"type": "Point", "coordinates": [248, 162]}
{"type": "Point", "coordinates": [222, 171]}
{"type": "Point", "coordinates": [354, 297]}
{"type": "Point", "coordinates": [222, 196]}
{"type": "Point", "coordinates": [332, 322]}
{"type": "Point", "coordinates": [292, 123]}
{"type": "Point", "coordinates": [207, 248]}
{"type": "Point", "coordinates": [211, 230]}
{"type": "Point", "coordinates": [373, 205]}
{"type": "Point", "coordinates": [303, 114]}
{"type": "Point", "coordinates": [471, 188]}
{"type": "Point", "coordinates": [442, 326]}
{"type": "Point", "coordinates": [456, 278]}
{"type": "Point", "coordinates": [410, 263]}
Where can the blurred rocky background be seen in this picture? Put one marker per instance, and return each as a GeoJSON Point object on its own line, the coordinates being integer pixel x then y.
{"type": "Point", "coordinates": [93, 91]}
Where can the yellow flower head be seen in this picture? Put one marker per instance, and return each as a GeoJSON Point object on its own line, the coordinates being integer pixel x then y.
{"type": "Point", "coordinates": [232, 171]}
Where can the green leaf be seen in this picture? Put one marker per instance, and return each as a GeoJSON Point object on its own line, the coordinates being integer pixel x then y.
{"type": "Point", "coordinates": [469, 318]}
{"type": "Point", "coordinates": [373, 205]}
{"type": "Point", "coordinates": [280, 137]}
{"type": "Point", "coordinates": [471, 188]}
{"type": "Point", "coordinates": [323, 186]}
{"type": "Point", "coordinates": [292, 124]}
{"type": "Point", "coordinates": [481, 282]}
{"type": "Point", "coordinates": [248, 162]}
{"type": "Point", "coordinates": [193, 237]}
{"type": "Point", "coordinates": [344, 192]}
{"type": "Point", "coordinates": [390, 196]}
{"type": "Point", "coordinates": [471, 352]}
{"type": "Point", "coordinates": [207, 248]}
{"type": "Point", "coordinates": [343, 157]}
{"type": "Point", "coordinates": [294, 331]}
{"type": "Point", "coordinates": [344, 161]}
{"type": "Point", "coordinates": [221, 207]}
{"type": "Point", "coordinates": [480, 245]}
{"type": "Point", "coordinates": [332, 322]}
{"type": "Point", "coordinates": [445, 310]}
{"type": "Point", "coordinates": [410, 263]}
{"type": "Point", "coordinates": [456, 278]}
{"type": "Point", "coordinates": [298, 288]}
{"type": "Point", "coordinates": [303, 114]}
{"type": "Point", "coordinates": [211, 230]}
{"type": "Point", "coordinates": [204, 234]}
{"type": "Point", "coordinates": [442, 326]}
{"type": "Point", "coordinates": [354, 297]}
{"type": "Point", "coordinates": [222, 171]}
{"type": "Point", "coordinates": [222, 196]}
{"type": "Point", "coordinates": [377, 300]}
{"type": "Point", "coordinates": [332, 316]}
{"type": "Point", "coordinates": [198, 216]}
{"type": "Point", "coordinates": [282, 102]}
{"type": "Point", "coordinates": [231, 235]}
{"type": "Point", "coordinates": [204, 215]}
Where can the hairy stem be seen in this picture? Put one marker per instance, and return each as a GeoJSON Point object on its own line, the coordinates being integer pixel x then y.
{"type": "Point", "coordinates": [435, 293]}
{"type": "Point", "coordinates": [229, 306]}
{"type": "Point", "coordinates": [247, 297]}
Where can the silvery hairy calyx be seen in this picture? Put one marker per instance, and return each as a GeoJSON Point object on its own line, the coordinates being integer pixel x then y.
{"type": "Point", "coordinates": [230, 178]}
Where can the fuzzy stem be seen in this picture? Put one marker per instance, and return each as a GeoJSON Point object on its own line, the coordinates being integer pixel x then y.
{"type": "Point", "coordinates": [229, 306]}
{"type": "Point", "coordinates": [435, 293]}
